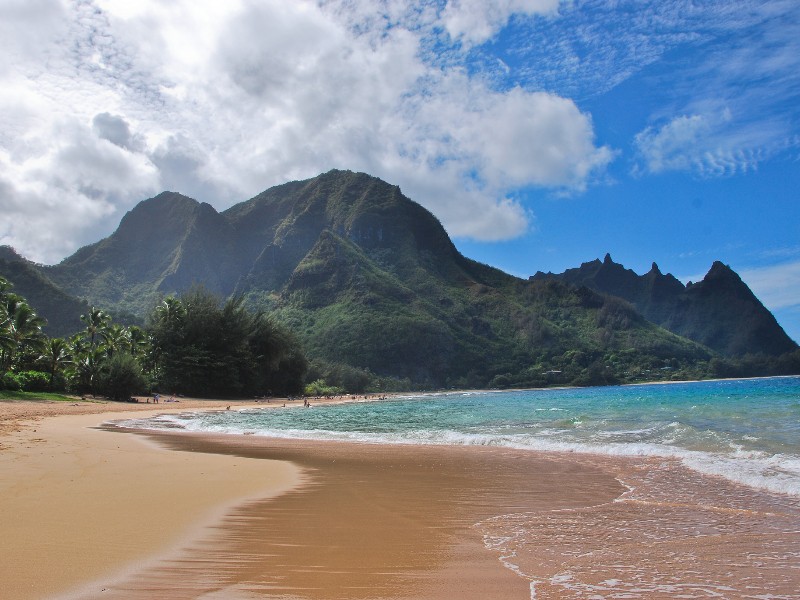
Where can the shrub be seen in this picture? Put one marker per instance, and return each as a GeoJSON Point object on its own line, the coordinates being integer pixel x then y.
{"type": "Point", "coordinates": [33, 381]}
{"type": "Point", "coordinates": [122, 377]}
{"type": "Point", "coordinates": [320, 388]}
{"type": "Point", "coordinates": [9, 381]}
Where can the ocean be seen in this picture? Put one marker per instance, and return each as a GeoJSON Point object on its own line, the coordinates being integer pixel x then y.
{"type": "Point", "coordinates": [747, 431]}
{"type": "Point", "coordinates": [709, 473]}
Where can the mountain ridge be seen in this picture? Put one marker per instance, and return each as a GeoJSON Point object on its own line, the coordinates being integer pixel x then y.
{"type": "Point", "coordinates": [370, 279]}
{"type": "Point", "coordinates": [719, 311]}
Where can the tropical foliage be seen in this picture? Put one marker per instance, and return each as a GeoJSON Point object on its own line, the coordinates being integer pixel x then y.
{"type": "Point", "coordinates": [195, 345]}
{"type": "Point", "coordinates": [205, 348]}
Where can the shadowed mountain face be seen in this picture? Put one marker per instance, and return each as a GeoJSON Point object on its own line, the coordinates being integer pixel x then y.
{"type": "Point", "coordinates": [370, 279]}
{"type": "Point", "coordinates": [61, 310]}
{"type": "Point", "coordinates": [720, 311]}
{"type": "Point", "coordinates": [165, 243]}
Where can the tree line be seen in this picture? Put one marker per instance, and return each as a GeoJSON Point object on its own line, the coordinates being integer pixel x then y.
{"type": "Point", "coordinates": [194, 345]}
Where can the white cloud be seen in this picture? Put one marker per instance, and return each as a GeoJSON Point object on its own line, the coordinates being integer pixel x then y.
{"type": "Point", "coordinates": [711, 144]}
{"type": "Point", "coordinates": [475, 21]}
{"type": "Point", "coordinates": [777, 286]}
{"type": "Point", "coordinates": [61, 182]}
{"type": "Point", "coordinates": [221, 100]}
{"type": "Point", "coordinates": [734, 106]}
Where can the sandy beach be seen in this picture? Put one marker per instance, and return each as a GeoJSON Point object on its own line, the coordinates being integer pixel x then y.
{"type": "Point", "coordinates": [105, 513]}
{"type": "Point", "coordinates": [81, 504]}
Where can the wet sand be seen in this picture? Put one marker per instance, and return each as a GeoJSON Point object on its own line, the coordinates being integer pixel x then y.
{"type": "Point", "coordinates": [358, 521]}
{"type": "Point", "coordinates": [371, 522]}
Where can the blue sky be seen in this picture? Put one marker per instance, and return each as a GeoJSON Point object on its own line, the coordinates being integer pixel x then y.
{"type": "Point", "coordinates": [542, 133]}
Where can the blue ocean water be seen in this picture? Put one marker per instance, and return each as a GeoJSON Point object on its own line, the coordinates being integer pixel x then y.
{"type": "Point", "coordinates": [747, 431]}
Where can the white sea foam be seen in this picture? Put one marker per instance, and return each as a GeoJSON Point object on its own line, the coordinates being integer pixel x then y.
{"type": "Point", "coordinates": [697, 424]}
{"type": "Point", "coordinates": [773, 472]}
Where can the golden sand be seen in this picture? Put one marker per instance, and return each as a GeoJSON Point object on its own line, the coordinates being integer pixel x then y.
{"type": "Point", "coordinates": [108, 514]}
{"type": "Point", "coordinates": [80, 504]}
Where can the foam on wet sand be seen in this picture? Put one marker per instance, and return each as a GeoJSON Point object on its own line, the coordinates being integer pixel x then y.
{"type": "Point", "coordinates": [167, 514]}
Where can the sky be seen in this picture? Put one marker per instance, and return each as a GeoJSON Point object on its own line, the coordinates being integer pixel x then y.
{"type": "Point", "coordinates": [541, 133]}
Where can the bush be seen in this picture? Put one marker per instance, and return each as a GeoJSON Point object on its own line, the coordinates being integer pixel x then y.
{"type": "Point", "coordinates": [34, 381]}
{"type": "Point", "coordinates": [9, 381]}
{"type": "Point", "coordinates": [27, 381]}
{"type": "Point", "coordinates": [122, 377]}
{"type": "Point", "coordinates": [320, 388]}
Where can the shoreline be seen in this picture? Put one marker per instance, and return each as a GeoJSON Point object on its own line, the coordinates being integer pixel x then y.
{"type": "Point", "coordinates": [93, 514]}
{"type": "Point", "coordinates": [407, 521]}
{"type": "Point", "coordinates": [84, 505]}
{"type": "Point", "coordinates": [372, 521]}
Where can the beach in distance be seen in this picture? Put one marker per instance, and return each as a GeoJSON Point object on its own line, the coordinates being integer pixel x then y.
{"type": "Point", "coordinates": [688, 490]}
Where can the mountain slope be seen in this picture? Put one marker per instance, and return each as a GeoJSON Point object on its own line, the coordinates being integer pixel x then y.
{"type": "Point", "coordinates": [62, 311]}
{"type": "Point", "coordinates": [720, 311]}
{"type": "Point", "coordinates": [164, 244]}
{"type": "Point", "coordinates": [370, 279]}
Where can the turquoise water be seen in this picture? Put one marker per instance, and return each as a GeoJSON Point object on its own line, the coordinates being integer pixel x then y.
{"type": "Point", "coordinates": [744, 430]}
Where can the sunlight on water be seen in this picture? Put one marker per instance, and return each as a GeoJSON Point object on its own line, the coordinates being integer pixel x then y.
{"type": "Point", "coordinates": [747, 431]}
{"type": "Point", "coordinates": [675, 532]}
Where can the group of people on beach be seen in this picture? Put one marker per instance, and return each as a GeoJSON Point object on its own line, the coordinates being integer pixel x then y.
{"type": "Point", "coordinates": [157, 399]}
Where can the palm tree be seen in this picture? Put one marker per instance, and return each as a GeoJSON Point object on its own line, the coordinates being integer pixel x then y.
{"type": "Point", "coordinates": [6, 336]}
{"type": "Point", "coordinates": [96, 320]}
{"type": "Point", "coordinates": [22, 329]}
{"type": "Point", "coordinates": [87, 368]}
{"type": "Point", "coordinates": [139, 341]}
{"type": "Point", "coordinates": [170, 310]}
{"type": "Point", "coordinates": [116, 339]}
{"type": "Point", "coordinates": [56, 356]}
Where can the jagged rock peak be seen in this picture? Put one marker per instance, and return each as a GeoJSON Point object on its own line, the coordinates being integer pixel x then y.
{"type": "Point", "coordinates": [720, 269]}
{"type": "Point", "coordinates": [607, 260]}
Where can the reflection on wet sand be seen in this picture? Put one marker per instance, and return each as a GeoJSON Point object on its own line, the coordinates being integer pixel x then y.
{"type": "Point", "coordinates": [381, 521]}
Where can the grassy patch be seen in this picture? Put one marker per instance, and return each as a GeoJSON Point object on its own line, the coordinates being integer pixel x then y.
{"type": "Point", "coordinates": [6, 395]}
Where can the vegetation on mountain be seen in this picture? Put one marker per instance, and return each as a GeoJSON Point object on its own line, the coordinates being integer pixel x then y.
{"type": "Point", "coordinates": [719, 312]}
{"type": "Point", "coordinates": [380, 299]}
{"type": "Point", "coordinates": [62, 310]}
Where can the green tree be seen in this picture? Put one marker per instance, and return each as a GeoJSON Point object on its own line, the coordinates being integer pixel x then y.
{"type": "Point", "coordinates": [121, 377]}
{"type": "Point", "coordinates": [96, 320]}
{"type": "Point", "coordinates": [20, 329]}
{"type": "Point", "coordinates": [88, 362]}
{"type": "Point", "coordinates": [206, 347]}
{"type": "Point", "coordinates": [139, 342]}
{"type": "Point", "coordinates": [116, 338]}
{"type": "Point", "coordinates": [57, 357]}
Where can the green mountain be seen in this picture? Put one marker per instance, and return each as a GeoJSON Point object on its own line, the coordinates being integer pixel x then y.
{"type": "Point", "coordinates": [719, 312]}
{"type": "Point", "coordinates": [164, 244]}
{"type": "Point", "coordinates": [371, 280]}
{"type": "Point", "coordinates": [63, 312]}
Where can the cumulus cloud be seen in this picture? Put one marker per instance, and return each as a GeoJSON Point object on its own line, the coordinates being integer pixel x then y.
{"type": "Point", "coordinates": [116, 130]}
{"type": "Point", "coordinates": [221, 100]}
{"type": "Point", "coordinates": [62, 184]}
{"type": "Point", "coordinates": [475, 21]}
